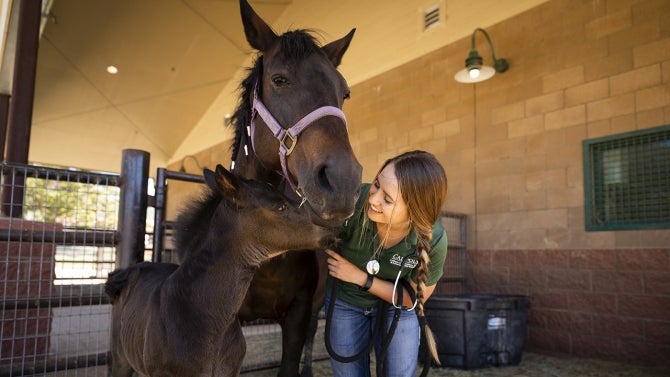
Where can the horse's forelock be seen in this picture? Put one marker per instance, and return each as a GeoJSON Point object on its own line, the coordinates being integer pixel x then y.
{"type": "Point", "coordinates": [295, 45]}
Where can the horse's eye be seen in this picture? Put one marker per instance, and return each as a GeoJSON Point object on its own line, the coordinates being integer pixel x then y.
{"type": "Point", "coordinates": [347, 95]}
{"type": "Point", "coordinates": [279, 80]}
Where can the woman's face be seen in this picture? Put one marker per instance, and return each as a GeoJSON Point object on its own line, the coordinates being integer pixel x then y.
{"type": "Point", "coordinates": [386, 205]}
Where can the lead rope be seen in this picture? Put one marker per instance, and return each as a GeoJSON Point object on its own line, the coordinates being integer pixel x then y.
{"type": "Point", "coordinates": [375, 332]}
{"type": "Point", "coordinates": [386, 339]}
{"type": "Point", "coordinates": [422, 325]}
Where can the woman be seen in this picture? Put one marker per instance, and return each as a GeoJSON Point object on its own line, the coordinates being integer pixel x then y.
{"type": "Point", "coordinates": [395, 234]}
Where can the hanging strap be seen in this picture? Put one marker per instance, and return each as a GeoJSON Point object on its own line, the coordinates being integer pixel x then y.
{"type": "Point", "coordinates": [375, 332]}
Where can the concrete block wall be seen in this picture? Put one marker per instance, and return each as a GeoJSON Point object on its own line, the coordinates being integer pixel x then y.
{"type": "Point", "coordinates": [512, 148]}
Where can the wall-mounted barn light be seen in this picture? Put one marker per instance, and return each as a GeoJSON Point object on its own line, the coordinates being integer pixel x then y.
{"type": "Point", "coordinates": [475, 70]}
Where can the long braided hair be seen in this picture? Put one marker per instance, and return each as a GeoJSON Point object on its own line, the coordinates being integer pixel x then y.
{"type": "Point", "coordinates": [423, 185]}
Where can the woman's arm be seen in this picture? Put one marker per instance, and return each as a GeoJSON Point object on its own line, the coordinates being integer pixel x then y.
{"type": "Point", "coordinates": [340, 268]}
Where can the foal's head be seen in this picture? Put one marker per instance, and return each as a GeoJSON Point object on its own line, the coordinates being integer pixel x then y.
{"type": "Point", "coordinates": [260, 221]}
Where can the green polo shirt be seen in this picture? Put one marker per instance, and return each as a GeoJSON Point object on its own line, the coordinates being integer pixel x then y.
{"type": "Point", "coordinates": [357, 247]}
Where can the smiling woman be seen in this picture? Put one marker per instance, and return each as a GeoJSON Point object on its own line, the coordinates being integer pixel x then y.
{"type": "Point", "coordinates": [392, 252]}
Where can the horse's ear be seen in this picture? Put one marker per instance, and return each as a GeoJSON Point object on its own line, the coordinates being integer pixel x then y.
{"type": "Point", "coordinates": [222, 181]}
{"type": "Point", "coordinates": [336, 49]}
{"type": "Point", "coordinates": [259, 35]}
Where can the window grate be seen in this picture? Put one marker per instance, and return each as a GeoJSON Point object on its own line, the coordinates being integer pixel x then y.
{"type": "Point", "coordinates": [627, 181]}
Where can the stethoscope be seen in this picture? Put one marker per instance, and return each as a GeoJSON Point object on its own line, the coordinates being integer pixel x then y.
{"type": "Point", "coordinates": [395, 287]}
{"type": "Point", "coordinates": [372, 268]}
{"type": "Point", "coordinates": [381, 312]}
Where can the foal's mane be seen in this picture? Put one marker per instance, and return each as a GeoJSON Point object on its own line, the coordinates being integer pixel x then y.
{"type": "Point", "coordinates": [194, 221]}
{"type": "Point", "coordinates": [295, 45]}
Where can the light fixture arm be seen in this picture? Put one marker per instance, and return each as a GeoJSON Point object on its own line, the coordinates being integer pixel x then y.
{"type": "Point", "coordinates": [182, 168]}
{"type": "Point", "coordinates": [500, 65]}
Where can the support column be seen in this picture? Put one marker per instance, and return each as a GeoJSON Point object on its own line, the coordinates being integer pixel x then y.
{"type": "Point", "coordinates": [21, 105]}
{"type": "Point", "coordinates": [132, 207]}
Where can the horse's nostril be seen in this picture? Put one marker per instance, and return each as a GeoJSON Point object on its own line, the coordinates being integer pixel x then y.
{"type": "Point", "coordinates": [322, 178]}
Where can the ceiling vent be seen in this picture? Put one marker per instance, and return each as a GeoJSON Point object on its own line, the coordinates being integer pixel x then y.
{"type": "Point", "coordinates": [431, 17]}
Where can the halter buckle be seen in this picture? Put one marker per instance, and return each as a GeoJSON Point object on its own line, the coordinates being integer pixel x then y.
{"type": "Point", "coordinates": [283, 145]}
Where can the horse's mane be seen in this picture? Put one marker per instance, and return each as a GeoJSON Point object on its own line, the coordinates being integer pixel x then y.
{"type": "Point", "coordinates": [295, 45]}
{"type": "Point", "coordinates": [193, 222]}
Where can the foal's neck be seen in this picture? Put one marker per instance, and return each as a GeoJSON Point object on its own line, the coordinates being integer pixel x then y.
{"type": "Point", "coordinates": [215, 277]}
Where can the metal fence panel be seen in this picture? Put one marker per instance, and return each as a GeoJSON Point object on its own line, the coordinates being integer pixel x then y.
{"type": "Point", "coordinates": [54, 258]}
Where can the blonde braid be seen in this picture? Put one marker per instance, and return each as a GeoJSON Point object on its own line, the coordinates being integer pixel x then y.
{"type": "Point", "coordinates": [422, 272]}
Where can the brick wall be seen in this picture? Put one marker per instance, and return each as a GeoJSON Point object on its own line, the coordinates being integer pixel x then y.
{"type": "Point", "coordinates": [27, 273]}
{"type": "Point", "coordinates": [609, 304]}
{"type": "Point", "coordinates": [512, 150]}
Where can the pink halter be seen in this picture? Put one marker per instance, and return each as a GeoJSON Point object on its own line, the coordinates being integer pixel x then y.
{"type": "Point", "coordinates": [288, 137]}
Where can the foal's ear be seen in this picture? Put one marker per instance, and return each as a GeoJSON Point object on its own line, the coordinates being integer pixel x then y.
{"type": "Point", "coordinates": [222, 181]}
{"type": "Point", "coordinates": [336, 49]}
{"type": "Point", "coordinates": [259, 35]}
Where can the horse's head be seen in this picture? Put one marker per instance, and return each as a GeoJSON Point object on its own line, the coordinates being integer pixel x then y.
{"type": "Point", "coordinates": [262, 217]}
{"type": "Point", "coordinates": [294, 96]}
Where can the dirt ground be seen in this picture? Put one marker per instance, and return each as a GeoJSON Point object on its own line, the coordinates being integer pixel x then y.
{"type": "Point", "coordinates": [532, 365]}
{"type": "Point", "coordinates": [263, 341]}
{"type": "Point", "coordinates": [260, 348]}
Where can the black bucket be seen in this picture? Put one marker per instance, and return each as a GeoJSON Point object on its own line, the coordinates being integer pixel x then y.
{"type": "Point", "coordinates": [478, 331]}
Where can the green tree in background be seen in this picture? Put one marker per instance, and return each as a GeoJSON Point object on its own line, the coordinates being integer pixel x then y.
{"type": "Point", "coordinates": [73, 204]}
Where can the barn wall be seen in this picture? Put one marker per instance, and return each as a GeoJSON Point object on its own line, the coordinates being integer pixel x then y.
{"type": "Point", "coordinates": [512, 150]}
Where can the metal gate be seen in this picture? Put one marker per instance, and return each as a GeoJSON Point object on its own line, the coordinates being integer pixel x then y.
{"type": "Point", "coordinates": [54, 258]}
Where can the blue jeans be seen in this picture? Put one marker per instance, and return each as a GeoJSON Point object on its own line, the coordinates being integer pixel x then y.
{"type": "Point", "coordinates": [351, 328]}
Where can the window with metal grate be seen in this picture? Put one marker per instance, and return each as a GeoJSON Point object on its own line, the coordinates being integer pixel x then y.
{"type": "Point", "coordinates": [627, 180]}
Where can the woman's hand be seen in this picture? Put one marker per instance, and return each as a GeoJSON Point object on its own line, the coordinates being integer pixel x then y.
{"type": "Point", "coordinates": [342, 269]}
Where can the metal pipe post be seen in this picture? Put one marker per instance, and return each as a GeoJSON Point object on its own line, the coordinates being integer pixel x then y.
{"type": "Point", "coordinates": [159, 215]}
{"type": "Point", "coordinates": [132, 207]}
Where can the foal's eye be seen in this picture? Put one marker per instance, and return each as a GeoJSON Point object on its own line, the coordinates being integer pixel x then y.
{"type": "Point", "coordinates": [279, 80]}
{"type": "Point", "coordinates": [281, 208]}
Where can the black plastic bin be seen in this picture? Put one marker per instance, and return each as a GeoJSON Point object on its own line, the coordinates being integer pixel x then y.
{"type": "Point", "coordinates": [478, 331]}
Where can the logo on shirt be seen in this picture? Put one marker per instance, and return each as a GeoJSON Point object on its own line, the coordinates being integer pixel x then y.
{"type": "Point", "coordinates": [409, 261]}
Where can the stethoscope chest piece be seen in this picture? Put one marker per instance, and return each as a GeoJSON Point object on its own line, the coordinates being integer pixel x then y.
{"type": "Point", "coordinates": [372, 267]}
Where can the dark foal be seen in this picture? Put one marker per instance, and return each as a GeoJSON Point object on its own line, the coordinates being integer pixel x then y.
{"type": "Point", "coordinates": [181, 320]}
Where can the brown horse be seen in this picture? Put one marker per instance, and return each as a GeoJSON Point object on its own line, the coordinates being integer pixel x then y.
{"type": "Point", "coordinates": [181, 320]}
{"type": "Point", "coordinates": [291, 133]}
